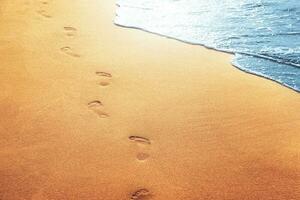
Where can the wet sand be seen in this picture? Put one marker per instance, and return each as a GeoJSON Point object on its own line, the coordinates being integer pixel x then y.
{"type": "Point", "coordinates": [93, 111]}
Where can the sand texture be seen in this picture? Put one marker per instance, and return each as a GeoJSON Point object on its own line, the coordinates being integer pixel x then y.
{"type": "Point", "coordinates": [93, 111]}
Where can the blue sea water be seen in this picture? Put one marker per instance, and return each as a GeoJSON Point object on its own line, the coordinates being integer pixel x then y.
{"type": "Point", "coordinates": [264, 35]}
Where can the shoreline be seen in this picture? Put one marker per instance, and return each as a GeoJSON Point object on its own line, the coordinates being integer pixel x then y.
{"type": "Point", "coordinates": [94, 111]}
{"type": "Point", "coordinates": [219, 50]}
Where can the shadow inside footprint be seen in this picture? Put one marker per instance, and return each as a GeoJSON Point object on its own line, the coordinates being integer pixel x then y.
{"type": "Point", "coordinates": [69, 51]}
{"type": "Point", "coordinates": [45, 2]}
{"type": "Point", "coordinates": [97, 106]}
{"type": "Point", "coordinates": [95, 103]}
{"type": "Point", "coordinates": [103, 83]}
{"type": "Point", "coordinates": [142, 156]}
{"type": "Point", "coordinates": [70, 31]}
{"type": "Point", "coordinates": [139, 139]}
{"type": "Point", "coordinates": [140, 194]}
{"type": "Point", "coordinates": [105, 74]}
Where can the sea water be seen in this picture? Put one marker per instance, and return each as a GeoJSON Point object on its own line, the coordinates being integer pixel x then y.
{"type": "Point", "coordinates": [264, 35]}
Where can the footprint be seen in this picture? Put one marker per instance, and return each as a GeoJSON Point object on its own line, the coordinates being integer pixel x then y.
{"type": "Point", "coordinates": [70, 31]}
{"type": "Point", "coordinates": [140, 194]}
{"type": "Point", "coordinates": [45, 2]}
{"type": "Point", "coordinates": [142, 156]}
{"type": "Point", "coordinates": [105, 78]}
{"type": "Point", "coordinates": [139, 139]}
{"type": "Point", "coordinates": [97, 106]}
{"type": "Point", "coordinates": [44, 13]}
{"type": "Point", "coordinates": [68, 50]}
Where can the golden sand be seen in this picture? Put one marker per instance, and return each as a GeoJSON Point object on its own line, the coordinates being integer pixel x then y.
{"type": "Point", "coordinates": [92, 111]}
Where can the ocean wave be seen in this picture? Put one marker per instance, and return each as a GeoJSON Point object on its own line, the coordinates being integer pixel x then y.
{"type": "Point", "coordinates": [257, 31]}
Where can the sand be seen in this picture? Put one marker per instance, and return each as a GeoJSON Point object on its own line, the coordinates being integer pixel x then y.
{"type": "Point", "coordinates": [93, 111]}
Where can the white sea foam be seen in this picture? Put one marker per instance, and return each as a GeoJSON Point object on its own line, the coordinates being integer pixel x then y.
{"type": "Point", "coordinates": [264, 33]}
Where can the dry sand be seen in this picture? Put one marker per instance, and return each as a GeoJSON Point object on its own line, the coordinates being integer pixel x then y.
{"type": "Point", "coordinates": [92, 111]}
